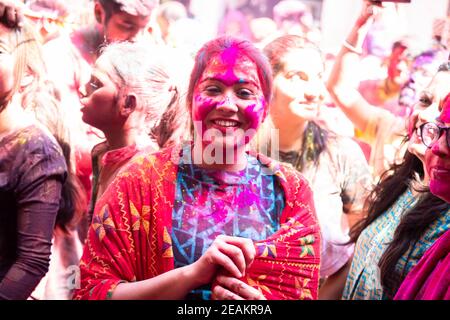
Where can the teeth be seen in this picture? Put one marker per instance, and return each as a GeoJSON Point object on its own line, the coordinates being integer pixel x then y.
{"type": "Point", "coordinates": [226, 123]}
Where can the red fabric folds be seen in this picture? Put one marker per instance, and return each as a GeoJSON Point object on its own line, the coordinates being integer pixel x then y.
{"type": "Point", "coordinates": [287, 264]}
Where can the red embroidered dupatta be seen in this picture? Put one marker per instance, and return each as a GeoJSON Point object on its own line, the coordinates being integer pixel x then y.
{"type": "Point", "coordinates": [129, 239]}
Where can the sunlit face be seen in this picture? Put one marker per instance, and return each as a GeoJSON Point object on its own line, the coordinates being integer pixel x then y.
{"type": "Point", "coordinates": [298, 86]}
{"type": "Point", "coordinates": [437, 158]}
{"type": "Point", "coordinates": [423, 71]}
{"type": "Point", "coordinates": [7, 62]}
{"type": "Point", "coordinates": [100, 103]}
{"type": "Point", "coordinates": [427, 109]}
{"type": "Point", "coordinates": [122, 26]}
{"type": "Point", "coordinates": [228, 102]}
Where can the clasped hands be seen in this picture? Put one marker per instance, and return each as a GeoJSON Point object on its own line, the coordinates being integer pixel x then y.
{"type": "Point", "coordinates": [224, 264]}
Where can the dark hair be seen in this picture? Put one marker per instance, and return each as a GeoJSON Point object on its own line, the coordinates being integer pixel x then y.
{"type": "Point", "coordinates": [392, 185]}
{"type": "Point", "coordinates": [73, 202]}
{"type": "Point", "coordinates": [221, 44]}
{"type": "Point", "coordinates": [444, 66]}
{"type": "Point", "coordinates": [133, 7]}
{"type": "Point", "coordinates": [110, 7]}
{"type": "Point", "coordinates": [400, 44]}
{"type": "Point", "coordinates": [314, 142]}
{"type": "Point", "coordinates": [315, 138]}
{"type": "Point", "coordinates": [45, 106]}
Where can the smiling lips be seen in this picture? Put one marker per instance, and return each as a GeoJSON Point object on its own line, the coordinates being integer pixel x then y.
{"type": "Point", "coordinates": [229, 123]}
{"type": "Point", "coordinates": [440, 173]}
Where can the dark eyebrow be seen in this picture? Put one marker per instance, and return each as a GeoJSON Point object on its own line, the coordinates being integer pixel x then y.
{"type": "Point", "coordinates": [241, 81]}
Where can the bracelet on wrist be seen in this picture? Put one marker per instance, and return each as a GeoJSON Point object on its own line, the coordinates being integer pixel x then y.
{"type": "Point", "coordinates": [351, 48]}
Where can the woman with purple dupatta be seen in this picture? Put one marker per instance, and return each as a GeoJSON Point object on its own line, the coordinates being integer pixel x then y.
{"type": "Point", "coordinates": [430, 278]}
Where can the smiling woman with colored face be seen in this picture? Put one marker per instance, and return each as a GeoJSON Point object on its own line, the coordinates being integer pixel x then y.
{"type": "Point", "coordinates": [428, 280]}
{"type": "Point", "coordinates": [228, 99]}
{"type": "Point", "coordinates": [411, 218]}
{"type": "Point", "coordinates": [228, 106]}
{"type": "Point", "coordinates": [430, 103]}
{"type": "Point", "coordinates": [204, 219]}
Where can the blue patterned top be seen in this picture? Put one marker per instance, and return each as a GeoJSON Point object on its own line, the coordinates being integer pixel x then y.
{"type": "Point", "coordinates": [209, 203]}
{"type": "Point", "coordinates": [363, 280]}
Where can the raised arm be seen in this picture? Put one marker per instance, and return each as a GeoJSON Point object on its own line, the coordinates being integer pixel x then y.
{"type": "Point", "coordinates": [342, 84]}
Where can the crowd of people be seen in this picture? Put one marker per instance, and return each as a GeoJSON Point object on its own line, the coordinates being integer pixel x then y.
{"type": "Point", "coordinates": [143, 156]}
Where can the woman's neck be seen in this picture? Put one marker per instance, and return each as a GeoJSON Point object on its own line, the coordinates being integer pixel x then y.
{"type": "Point", "coordinates": [117, 139]}
{"type": "Point", "coordinates": [290, 134]}
{"type": "Point", "coordinates": [229, 160]}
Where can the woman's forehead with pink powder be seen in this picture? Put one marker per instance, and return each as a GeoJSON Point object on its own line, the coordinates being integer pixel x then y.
{"type": "Point", "coordinates": [232, 66]}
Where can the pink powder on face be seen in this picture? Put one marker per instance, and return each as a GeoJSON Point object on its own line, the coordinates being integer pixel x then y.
{"type": "Point", "coordinates": [255, 113]}
{"type": "Point", "coordinates": [441, 189]}
{"type": "Point", "coordinates": [229, 58]}
{"type": "Point", "coordinates": [445, 114]}
{"type": "Point", "coordinates": [222, 67]}
{"type": "Point", "coordinates": [439, 181]}
{"type": "Point", "coordinates": [204, 105]}
{"type": "Point", "coordinates": [230, 67]}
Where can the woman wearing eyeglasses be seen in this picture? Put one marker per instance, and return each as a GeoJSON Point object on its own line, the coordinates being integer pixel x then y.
{"type": "Point", "coordinates": [430, 279]}
{"type": "Point", "coordinates": [404, 219]}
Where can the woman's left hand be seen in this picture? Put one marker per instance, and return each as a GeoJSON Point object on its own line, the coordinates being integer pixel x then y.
{"type": "Point", "coordinates": [226, 287]}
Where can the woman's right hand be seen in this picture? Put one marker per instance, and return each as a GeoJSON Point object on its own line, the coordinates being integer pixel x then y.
{"type": "Point", "coordinates": [234, 254]}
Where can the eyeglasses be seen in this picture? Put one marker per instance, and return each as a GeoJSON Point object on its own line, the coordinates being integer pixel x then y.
{"type": "Point", "coordinates": [430, 132]}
